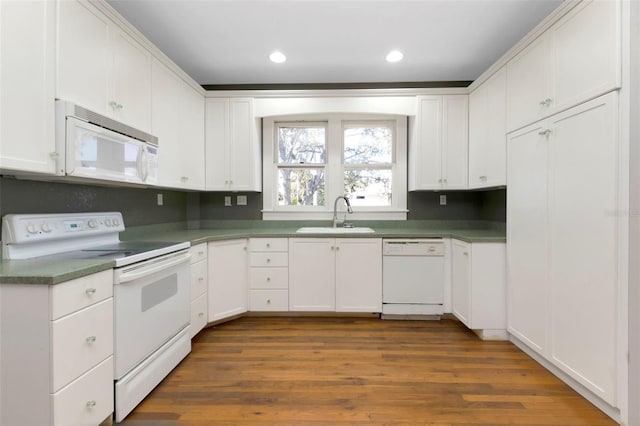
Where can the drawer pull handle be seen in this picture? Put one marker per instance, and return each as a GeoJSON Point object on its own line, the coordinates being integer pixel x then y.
{"type": "Point", "coordinates": [91, 339]}
{"type": "Point", "coordinates": [200, 253]}
{"type": "Point", "coordinates": [91, 404]}
{"type": "Point", "coordinates": [268, 245]}
{"type": "Point", "coordinates": [90, 291]}
{"type": "Point", "coordinates": [201, 314]}
{"type": "Point", "coordinates": [268, 260]}
{"type": "Point", "coordinates": [200, 278]}
{"type": "Point", "coordinates": [268, 301]}
{"type": "Point", "coordinates": [268, 279]}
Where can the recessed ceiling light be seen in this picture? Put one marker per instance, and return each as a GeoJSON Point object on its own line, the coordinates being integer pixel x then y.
{"type": "Point", "coordinates": [394, 56]}
{"type": "Point", "coordinates": [277, 57]}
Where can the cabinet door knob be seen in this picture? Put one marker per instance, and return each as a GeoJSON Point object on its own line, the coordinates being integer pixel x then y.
{"type": "Point", "coordinates": [91, 339]}
{"type": "Point", "coordinates": [91, 404]}
{"type": "Point", "coordinates": [268, 260]}
{"type": "Point", "coordinates": [546, 102]}
{"type": "Point", "coordinates": [268, 279]}
{"type": "Point", "coordinates": [201, 314]}
{"type": "Point", "coordinates": [545, 132]}
{"type": "Point", "coordinates": [200, 278]}
{"type": "Point", "coordinates": [465, 253]}
{"type": "Point", "coordinates": [268, 301]}
{"type": "Point", "coordinates": [268, 245]}
{"type": "Point", "coordinates": [90, 291]}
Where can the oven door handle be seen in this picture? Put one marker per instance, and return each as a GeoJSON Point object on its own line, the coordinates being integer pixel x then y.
{"type": "Point", "coordinates": [126, 276]}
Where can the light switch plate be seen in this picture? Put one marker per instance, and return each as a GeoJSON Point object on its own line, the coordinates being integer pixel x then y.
{"type": "Point", "coordinates": [160, 199]}
{"type": "Point", "coordinates": [443, 200]}
{"type": "Point", "coordinates": [227, 200]}
{"type": "Point", "coordinates": [241, 200]}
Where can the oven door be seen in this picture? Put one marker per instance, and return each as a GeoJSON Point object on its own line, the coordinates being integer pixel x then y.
{"type": "Point", "coordinates": [151, 305]}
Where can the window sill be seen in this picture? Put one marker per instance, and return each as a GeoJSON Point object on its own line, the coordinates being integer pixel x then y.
{"type": "Point", "coordinates": [324, 215]}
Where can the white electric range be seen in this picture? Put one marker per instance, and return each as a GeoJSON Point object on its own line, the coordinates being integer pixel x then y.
{"type": "Point", "coordinates": [151, 290]}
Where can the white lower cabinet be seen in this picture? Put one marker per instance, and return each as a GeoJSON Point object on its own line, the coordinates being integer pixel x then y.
{"type": "Point", "coordinates": [57, 352]}
{"type": "Point", "coordinates": [199, 283]}
{"type": "Point", "coordinates": [563, 242]}
{"type": "Point", "coordinates": [227, 292]}
{"type": "Point", "coordinates": [268, 274]}
{"type": "Point", "coordinates": [478, 282]}
{"type": "Point", "coordinates": [335, 274]}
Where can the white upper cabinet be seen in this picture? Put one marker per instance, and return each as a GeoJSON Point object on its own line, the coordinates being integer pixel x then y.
{"type": "Point", "coordinates": [100, 67]}
{"type": "Point", "coordinates": [438, 148]}
{"type": "Point", "coordinates": [487, 133]}
{"type": "Point", "coordinates": [27, 60]}
{"type": "Point", "coordinates": [577, 59]}
{"type": "Point", "coordinates": [178, 122]}
{"type": "Point", "coordinates": [232, 145]}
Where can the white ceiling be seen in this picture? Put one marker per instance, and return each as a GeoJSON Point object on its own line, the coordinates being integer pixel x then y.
{"type": "Point", "coordinates": [227, 42]}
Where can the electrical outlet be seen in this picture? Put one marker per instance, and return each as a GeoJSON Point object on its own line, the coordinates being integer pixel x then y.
{"type": "Point", "coordinates": [160, 199]}
{"type": "Point", "coordinates": [443, 200]}
{"type": "Point", "coordinates": [241, 200]}
{"type": "Point", "coordinates": [227, 201]}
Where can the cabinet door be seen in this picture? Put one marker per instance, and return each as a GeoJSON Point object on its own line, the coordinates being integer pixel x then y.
{"type": "Point", "coordinates": [586, 53]}
{"type": "Point", "coordinates": [84, 62]}
{"type": "Point", "coordinates": [425, 150]}
{"type": "Point", "coordinates": [487, 133]}
{"type": "Point", "coordinates": [527, 306]}
{"type": "Point", "coordinates": [228, 270]}
{"type": "Point", "coordinates": [27, 86]}
{"type": "Point", "coordinates": [529, 84]}
{"type": "Point", "coordinates": [312, 274]}
{"type": "Point", "coordinates": [217, 135]}
{"type": "Point", "coordinates": [584, 244]}
{"type": "Point", "coordinates": [130, 98]}
{"type": "Point", "coordinates": [178, 122]}
{"type": "Point", "coordinates": [461, 280]}
{"type": "Point", "coordinates": [243, 147]}
{"type": "Point", "coordinates": [455, 141]}
{"type": "Point", "coordinates": [359, 275]}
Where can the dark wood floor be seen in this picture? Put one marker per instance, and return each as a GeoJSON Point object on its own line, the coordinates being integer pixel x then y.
{"type": "Point", "coordinates": [351, 371]}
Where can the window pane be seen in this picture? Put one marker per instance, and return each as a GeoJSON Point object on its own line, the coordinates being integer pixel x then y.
{"type": "Point", "coordinates": [368, 187]}
{"type": "Point", "coordinates": [368, 145]}
{"type": "Point", "coordinates": [301, 145]}
{"type": "Point", "coordinates": [301, 187]}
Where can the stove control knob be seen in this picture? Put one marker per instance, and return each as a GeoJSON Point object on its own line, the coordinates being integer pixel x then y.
{"type": "Point", "coordinates": [107, 222]}
{"type": "Point", "coordinates": [31, 228]}
{"type": "Point", "coordinates": [93, 223]}
{"type": "Point", "coordinates": [116, 222]}
{"type": "Point", "coordinates": [45, 227]}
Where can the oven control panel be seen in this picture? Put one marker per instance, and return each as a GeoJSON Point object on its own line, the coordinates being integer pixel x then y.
{"type": "Point", "coordinates": [28, 228]}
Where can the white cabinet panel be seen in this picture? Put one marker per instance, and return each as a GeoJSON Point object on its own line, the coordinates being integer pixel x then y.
{"type": "Point", "coordinates": [178, 122]}
{"type": "Point", "coordinates": [269, 278]}
{"type": "Point", "coordinates": [77, 294]}
{"type": "Point", "coordinates": [198, 279]}
{"type": "Point", "coordinates": [198, 315]}
{"type": "Point", "coordinates": [563, 241]}
{"type": "Point", "coordinates": [270, 259]}
{"type": "Point", "coordinates": [228, 270]}
{"type": "Point", "coordinates": [487, 133]}
{"type": "Point", "coordinates": [268, 300]}
{"type": "Point", "coordinates": [461, 281]}
{"type": "Point", "coordinates": [100, 67]}
{"type": "Point", "coordinates": [233, 153]}
{"type": "Point", "coordinates": [358, 275]}
{"type": "Point", "coordinates": [27, 86]}
{"type": "Point", "coordinates": [438, 148]}
{"type": "Point", "coordinates": [312, 274]}
{"type": "Point", "coordinates": [526, 237]}
{"type": "Point", "coordinates": [577, 59]}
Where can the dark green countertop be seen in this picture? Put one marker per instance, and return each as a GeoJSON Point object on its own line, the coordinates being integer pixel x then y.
{"type": "Point", "coordinates": [49, 271]}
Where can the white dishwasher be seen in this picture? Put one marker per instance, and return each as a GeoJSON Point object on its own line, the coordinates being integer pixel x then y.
{"type": "Point", "coordinates": [413, 277]}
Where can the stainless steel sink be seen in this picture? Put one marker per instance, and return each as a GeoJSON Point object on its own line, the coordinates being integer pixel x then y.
{"type": "Point", "coordinates": [331, 230]}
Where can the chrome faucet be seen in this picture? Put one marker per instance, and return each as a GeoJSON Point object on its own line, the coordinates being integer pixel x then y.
{"type": "Point", "coordinates": [335, 209]}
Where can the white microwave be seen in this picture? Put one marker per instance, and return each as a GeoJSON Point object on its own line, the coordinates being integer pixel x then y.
{"type": "Point", "coordinates": [96, 147]}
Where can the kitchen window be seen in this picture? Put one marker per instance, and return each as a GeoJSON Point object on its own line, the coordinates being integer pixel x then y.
{"type": "Point", "coordinates": [309, 161]}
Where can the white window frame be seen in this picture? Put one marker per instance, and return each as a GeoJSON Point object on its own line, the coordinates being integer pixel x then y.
{"type": "Point", "coordinates": [334, 171]}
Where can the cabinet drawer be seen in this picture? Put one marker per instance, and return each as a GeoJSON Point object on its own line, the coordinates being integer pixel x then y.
{"type": "Point", "coordinates": [86, 401]}
{"type": "Point", "coordinates": [198, 252]}
{"type": "Point", "coordinates": [269, 259]}
{"type": "Point", "coordinates": [268, 244]}
{"type": "Point", "coordinates": [80, 341]}
{"type": "Point", "coordinates": [198, 315]}
{"type": "Point", "coordinates": [79, 293]}
{"type": "Point", "coordinates": [268, 278]}
{"type": "Point", "coordinates": [198, 279]}
{"type": "Point", "coordinates": [269, 300]}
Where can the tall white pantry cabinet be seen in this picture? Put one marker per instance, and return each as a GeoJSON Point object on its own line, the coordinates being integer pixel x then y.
{"type": "Point", "coordinates": [563, 241]}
